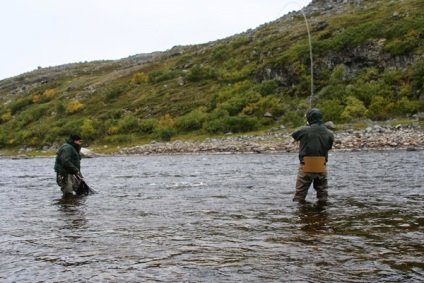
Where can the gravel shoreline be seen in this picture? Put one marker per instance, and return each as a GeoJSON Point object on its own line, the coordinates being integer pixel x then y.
{"type": "Point", "coordinates": [375, 137]}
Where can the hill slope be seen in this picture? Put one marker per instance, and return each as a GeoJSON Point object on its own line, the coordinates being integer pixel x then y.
{"type": "Point", "coordinates": [367, 63]}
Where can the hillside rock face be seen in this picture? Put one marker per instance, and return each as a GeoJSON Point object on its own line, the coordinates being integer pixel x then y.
{"type": "Point", "coordinates": [370, 53]}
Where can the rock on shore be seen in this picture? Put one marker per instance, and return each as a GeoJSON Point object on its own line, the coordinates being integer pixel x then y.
{"type": "Point", "coordinates": [372, 138]}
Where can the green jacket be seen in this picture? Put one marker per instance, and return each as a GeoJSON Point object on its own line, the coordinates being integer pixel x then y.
{"type": "Point", "coordinates": [315, 139]}
{"type": "Point", "coordinates": [68, 158]}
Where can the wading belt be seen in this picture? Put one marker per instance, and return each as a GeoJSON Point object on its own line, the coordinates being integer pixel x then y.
{"type": "Point", "coordinates": [314, 164]}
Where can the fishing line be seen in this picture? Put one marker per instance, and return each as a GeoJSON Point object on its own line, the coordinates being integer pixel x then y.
{"type": "Point", "coordinates": [310, 48]}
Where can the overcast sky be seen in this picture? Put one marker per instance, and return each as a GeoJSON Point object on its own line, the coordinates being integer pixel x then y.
{"type": "Point", "coordinates": [48, 33]}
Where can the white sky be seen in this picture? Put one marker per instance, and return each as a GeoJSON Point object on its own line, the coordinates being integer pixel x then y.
{"type": "Point", "coordinates": [48, 33]}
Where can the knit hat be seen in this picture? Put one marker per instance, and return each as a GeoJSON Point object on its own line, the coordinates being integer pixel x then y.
{"type": "Point", "coordinates": [75, 137]}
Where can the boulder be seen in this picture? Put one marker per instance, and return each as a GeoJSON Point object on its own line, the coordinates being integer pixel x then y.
{"type": "Point", "coordinates": [87, 153]}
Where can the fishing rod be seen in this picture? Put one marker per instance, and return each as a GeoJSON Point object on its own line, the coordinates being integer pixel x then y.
{"type": "Point", "coordinates": [310, 50]}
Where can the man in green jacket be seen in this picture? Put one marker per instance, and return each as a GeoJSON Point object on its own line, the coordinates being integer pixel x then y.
{"type": "Point", "coordinates": [315, 142]}
{"type": "Point", "coordinates": [67, 165]}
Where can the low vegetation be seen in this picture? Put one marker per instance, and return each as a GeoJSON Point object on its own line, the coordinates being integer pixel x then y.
{"type": "Point", "coordinates": [369, 64]}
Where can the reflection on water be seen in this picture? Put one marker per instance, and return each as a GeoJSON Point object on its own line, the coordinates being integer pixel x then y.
{"type": "Point", "coordinates": [214, 218]}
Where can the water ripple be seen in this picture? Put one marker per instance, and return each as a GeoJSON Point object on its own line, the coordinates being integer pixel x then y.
{"type": "Point", "coordinates": [214, 218]}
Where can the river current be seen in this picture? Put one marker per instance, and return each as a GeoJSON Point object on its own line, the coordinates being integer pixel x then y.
{"type": "Point", "coordinates": [214, 218]}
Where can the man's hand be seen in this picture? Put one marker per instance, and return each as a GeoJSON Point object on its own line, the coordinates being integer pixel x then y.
{"type": "Point", "coordinates": [79, 177]}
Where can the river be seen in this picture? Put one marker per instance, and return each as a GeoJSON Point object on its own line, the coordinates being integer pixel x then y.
{"type": "Point", "coordinates": [214, 218]}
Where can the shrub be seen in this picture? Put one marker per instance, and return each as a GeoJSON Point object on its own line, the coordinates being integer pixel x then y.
{"type": "Point", "coordinates": [354, 109]}
{"type": "Point", "coordinates": [191, 121]}
{"type": "Point", "coordinates": [267, 87]}
{"type": "Point", "coordinates": [147, 125]}
{"type": "Point", "coordinates": [20, 105]}
{"type": "Point", "coordinates": [331, 110]}
{"type": "Point", "coordinates": [198, 73]}
{"type": "Point", "coordinates": [166, 121]}
{"type": "Point", "coordinates": [239, 41]}
{"type": "Point", "coordinates": [379, 108]}
{"type": "Point", "coordinates": [293, 118]}
{"type": "Point", "coordinates": [114, 114]}
{"type": "Point", "coordinates": [128, 124]}
{"type": "Point", "coordinates": [160, 76]}
{"type": "Point", "coordinates": [241, 124]}
{"type": "Point", "coordinates": [36, 98]}
{"type": "Point", "coordinates": [60, 109]}
{"type": "Point", "coordinates": [113, 93]}
{"type": "Point", "coordinates": [6, 116]}
{"type": "Point", "coordinates": [49, 92]}
{"type": "Point", "coordinates": [139, 78]}
{"type": "Point", "coordinates": [398, 47]}
{"type": "Point", "coordinates": [367, 91]}
{"type": "Point", "coordinates": [73, 106]}
{"type": "Point", "coordinates": [113, 130]}
{"type": "Point", "coordinates": [87, 130]}
{"type": "Point", "coordinates": [215, 122]}
{"type": "Point", "coordinates": [165, 133]}
{"type": "Point", "coordinates": [406, 106]}
{"type": "Point", "coordinates": [220, 52]}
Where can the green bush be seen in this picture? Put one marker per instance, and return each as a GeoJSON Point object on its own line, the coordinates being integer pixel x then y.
{"type": "Point", "coordinates": [331, 110]}
{"type": "Point", "coordinates": [192, 121]}
{"type": "Point", "coordinates": [398, 47]}
{"type": "Point", "coordinates": [267, 87]}
{"type": "Point", "coordinates": [60, 109]}
{"type": "Point", "coordinates": [198, 73]}
{"type": "Point", "coordinates": [418, 74]}
{"type": "Point", "coordinates": [294, 118]}
{"type": "Point", "coordinates": [128, 124]}
{"type": "Point", "coordinates": [405, 106]}
{"type": "Point", "coordinates": [379, 108]}
{"type": "Point", "coordinates": [367, 91]}
{"type": "Point", "coordinates": [20, 105]}
{"type": "Point", "coordinates": [241, 124]}
{"type": "Point", "coordinates": [114, 114]}
{"type": "Point", "coordinates": [161, 76]}
{"type": "Point", "coordinates": [87, 130]}
{"type": "Point", "coordinates": [354, 109]}
{"type": "Point", "coordinates": [29, 115]}
{"type": "Point", "coordinates": [239, 41]}
{"type": "Point", "coordinates": [165, 133]}
{"type": "Point", "coordinates": [220, 52]}
{"type": "Point", "coordinates": [147, 126]}
{"type": "Point", "coordinates": [114, 93]}
{"type": "Point", "coordinates": [215, 122]}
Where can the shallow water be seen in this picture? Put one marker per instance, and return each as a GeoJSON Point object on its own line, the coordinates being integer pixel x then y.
{"type": "Point", "coordinates": [214, 218]}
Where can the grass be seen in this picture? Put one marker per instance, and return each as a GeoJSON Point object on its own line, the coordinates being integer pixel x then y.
{"type": "Point", "coordinates": [106, 90]}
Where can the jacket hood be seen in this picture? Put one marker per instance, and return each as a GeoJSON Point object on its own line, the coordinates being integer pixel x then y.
{"type": "Point", "coordinates": [314, 116]}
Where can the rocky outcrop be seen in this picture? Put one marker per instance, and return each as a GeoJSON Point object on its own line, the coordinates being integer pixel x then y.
{"type": "Point", "coordinates": [372, 138]}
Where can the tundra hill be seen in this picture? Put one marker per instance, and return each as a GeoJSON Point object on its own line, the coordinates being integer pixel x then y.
{"type": "Point", "coordinates": [367, 62]}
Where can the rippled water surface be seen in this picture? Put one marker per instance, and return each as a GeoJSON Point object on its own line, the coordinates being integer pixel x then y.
{"type": "Point", "coordinates": [214, 218]}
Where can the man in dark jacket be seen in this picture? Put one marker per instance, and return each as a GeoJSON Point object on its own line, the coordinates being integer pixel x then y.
{"type": "Point", "coordinates": [67, 165]}
{"type": "Point", "coordinates": [315, 142]}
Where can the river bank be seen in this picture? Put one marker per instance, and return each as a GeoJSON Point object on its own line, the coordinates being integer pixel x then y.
{"type": "Point", "coordinates": [400, 137]}
{"type": "Point", "coordinates": [373, 137]}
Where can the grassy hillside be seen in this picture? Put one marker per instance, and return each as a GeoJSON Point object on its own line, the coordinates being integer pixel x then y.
{"type": "Point", "coordinates": [368, 62]}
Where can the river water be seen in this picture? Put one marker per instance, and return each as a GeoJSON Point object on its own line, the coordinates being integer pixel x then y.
{"type": "Point", "coordinates": [214, 218]}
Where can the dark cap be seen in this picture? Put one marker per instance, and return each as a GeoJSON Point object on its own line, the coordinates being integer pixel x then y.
{"type": "Point", "coordinates": [75, 137]}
